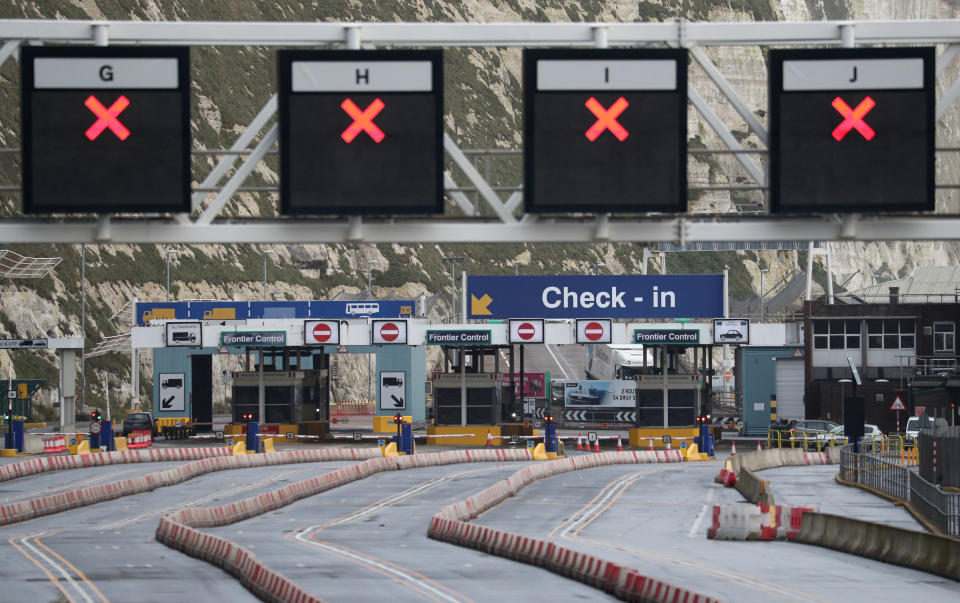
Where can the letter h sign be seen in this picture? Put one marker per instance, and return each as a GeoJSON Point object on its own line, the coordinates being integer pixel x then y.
{"type": "Point", "coordinates": [361, 132]}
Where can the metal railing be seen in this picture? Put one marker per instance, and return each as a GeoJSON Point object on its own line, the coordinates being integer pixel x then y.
{"type": "Point", "coordinates": [876, 468]}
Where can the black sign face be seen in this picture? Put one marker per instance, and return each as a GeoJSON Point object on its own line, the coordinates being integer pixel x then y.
{"type": "Point", "coordinates": [605, 130]}
{"type": "Point", "coordinates": [105, 130]}
{"type": "Point", "coordinates": [666, 336]}
{"type": "Point", "coordinates": [852, 130]}
{"type": "Point", "coordinates": [458, 337]}
{"type": "Point", "coordinates": [361, 132]}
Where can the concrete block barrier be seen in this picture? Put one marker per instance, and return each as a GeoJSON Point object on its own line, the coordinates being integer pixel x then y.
{"type": "Point", "coordinates": [450, 524]}
{"type": "Point", "coordinates": [48, 505]}
{"type": "Point", "coordinates": [753, 488]}
{"type": "Point", "coordinates": [918, 550]}
{"type": "Point", "coordinates": [60, 463]}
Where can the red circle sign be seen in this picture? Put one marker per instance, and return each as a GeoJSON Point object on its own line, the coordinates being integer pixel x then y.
{"type": "Point", "coordinates": [593, 331]}
{"type": "Point", "coordinates": [322, 332]}
{"type": "Point", "coordinates": [389, 331]}
{"type": "Point", "coordinates": [526, 331]}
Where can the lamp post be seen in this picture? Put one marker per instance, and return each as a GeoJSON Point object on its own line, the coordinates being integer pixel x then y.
{"type": "Point", "coordinates": [453, 261]}
{"type": "Point", "coordinates": [265, 252]}
{"type": "Point", "coordinates": [169, 253]}
{"type": "Point", "coordinates": [516, 267]}
{"type": "Point", "coordinates": [762, 272]}
{"type": "Point", "coordinates": [370, 264]}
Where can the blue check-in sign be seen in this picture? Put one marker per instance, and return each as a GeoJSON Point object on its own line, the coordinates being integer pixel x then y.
{"type": "Point", "coordinates": [579, 296]}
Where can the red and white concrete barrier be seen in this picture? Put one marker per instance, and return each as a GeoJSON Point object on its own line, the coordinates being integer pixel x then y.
{"type": "Point", "coordinates": [55, 444]}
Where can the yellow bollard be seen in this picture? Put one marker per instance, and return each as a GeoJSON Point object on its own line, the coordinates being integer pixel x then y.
{"type": "Point", "coordinates": [239, 448]}
{"type": "Point", "coordinates": [268, 445]}
{"type": "Point", "coordinates": [540, 452]}
{"type": "Point", "coordinates": [83, 447]}
{"type": "Point", "coordinates": [391, 450]}
{"type": "Point", "coordinates": [119, 444]}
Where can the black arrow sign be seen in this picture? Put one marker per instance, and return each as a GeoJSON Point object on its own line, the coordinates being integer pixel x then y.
{"type": "Point", "coordinates": [397, 402]}
{"type": "Point", "coordinates": [168, 403]}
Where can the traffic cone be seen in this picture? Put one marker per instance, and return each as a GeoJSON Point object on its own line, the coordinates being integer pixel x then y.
{"type": "Point", "coordinates": [489, 438]}
{"type": "Point", "coordinates": [579, 442]}
{"type": "Point", "coordinates": [650, 442]}
{"type": "Point", "coordinates": [596, 445]}
{"type": "Point", "coordinates": [759, 447]}
{"type": "Point", "coordinates": [733, 449]}
{"type": "Point", "coordinates": [619, 444]}
{"type": "Point", "coordinates": [668, 446]}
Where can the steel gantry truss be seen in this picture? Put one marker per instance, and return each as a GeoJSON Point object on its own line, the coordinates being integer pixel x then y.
{"type": "Point", "coordinates": [504, 222]}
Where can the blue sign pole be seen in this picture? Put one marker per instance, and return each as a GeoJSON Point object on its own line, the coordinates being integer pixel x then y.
{"type": "Point", "coordinates": [578, 296]}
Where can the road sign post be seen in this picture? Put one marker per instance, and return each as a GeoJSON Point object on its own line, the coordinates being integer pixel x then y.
{"type": "Point", "coordinates": [105, 129]}
{"type": "Point", "coordinates": [605, 130]}
{"type": "Point", "coordinates": [361, 132]}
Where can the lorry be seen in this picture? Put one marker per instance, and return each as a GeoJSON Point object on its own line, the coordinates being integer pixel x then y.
{"type": "Point", "coordinates": [220, 314]}
{"type": "Point", "coordinates": [158, 314]}
{"type": "Point", "coordinates": [613, 362]}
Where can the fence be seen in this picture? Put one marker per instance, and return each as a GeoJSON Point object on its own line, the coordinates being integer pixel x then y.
{"type": "Point", "coordinates": [878, 470]}
{"type": "Point", "coordinates": [944, 469]}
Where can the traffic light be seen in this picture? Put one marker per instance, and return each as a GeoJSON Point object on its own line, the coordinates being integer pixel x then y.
{"type": "Point", "coordinates": [95, 415]}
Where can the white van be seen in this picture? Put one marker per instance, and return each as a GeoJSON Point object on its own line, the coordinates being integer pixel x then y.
{"type": "Point", "coordinates": [362, 308]}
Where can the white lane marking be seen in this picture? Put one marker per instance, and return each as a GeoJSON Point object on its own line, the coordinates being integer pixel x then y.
{"type": "Point", "coordinates": [25, 541]}
{"type": "Point", "coordinates": [598, 505]}
{"type": "Point", "coordinates": [557, 360]}
{"type": "Point", "coordinates": [380, 566]}
{"type": "Point", "coordinates": [700, 515]}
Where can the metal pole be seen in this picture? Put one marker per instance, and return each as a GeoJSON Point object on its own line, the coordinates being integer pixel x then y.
{"type": "Point", "coordinates": [264, 278]}
{"type": "Point", "coordinates": [83, 326]}
{"type": "Point", "coordinates": [463, 388]}
{"type": "Point", "coordinates": [168, 275]}
{"type": "Point", "coordinates": [261, 404]}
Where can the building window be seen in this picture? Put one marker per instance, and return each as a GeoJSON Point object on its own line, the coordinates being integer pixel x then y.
{"type": "Point", "coordinates": [891, 334]}
{"type": "Point", "coordinates": [943, 337]}
{"type": "Point", "coordinates": [836, 334]}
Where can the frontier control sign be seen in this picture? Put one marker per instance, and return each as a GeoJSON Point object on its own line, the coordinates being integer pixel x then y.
{"type": "Point", "coordinates": [261, 338]}
{"type": "Point", "coordinates": [666, 336]}
{"type": "Point", "coordinates": [456, 337]}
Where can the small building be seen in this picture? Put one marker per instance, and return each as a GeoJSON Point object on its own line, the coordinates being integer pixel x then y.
{"type": "Point", "coordinates": [901, 337]}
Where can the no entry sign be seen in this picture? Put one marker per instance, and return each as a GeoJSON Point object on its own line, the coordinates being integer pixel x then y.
{"type": "Point", "coordinates": [389, 332]}
{"type": "Point", "coordinates": [105, 129]}
{"type": "Point", "coordinates": [594, 330]}
{"type": "Point", "coordinates": [526, 330]}
{"type": "Point", "coordinates": [318, 332]}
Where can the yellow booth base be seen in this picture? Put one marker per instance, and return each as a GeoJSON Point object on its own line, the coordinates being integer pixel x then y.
{"type": "Point", "coordinates": [384, 424]}
{"type": "Point", "coordinates": [639, 436]}
{"type": "Point", "coordinates": [476, 435]}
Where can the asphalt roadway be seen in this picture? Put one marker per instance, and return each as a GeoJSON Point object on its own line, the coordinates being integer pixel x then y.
{"type": "Point", "coordinates": [367, 541]}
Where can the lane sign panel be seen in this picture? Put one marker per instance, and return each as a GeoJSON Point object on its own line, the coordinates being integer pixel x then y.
{"type": "Point", "coordinates": [605, 130]}
{"type": "Point", "coordinates": [594, 330]}
{"type": "Point", "coordinates": [731, 330]}
{"type": "Point", "coordinates": [105, 130]}
{"type": "Point", "coordinates": [361, 132]}
{"type": "Point", "coordinates": [393, 390]}
{"type": "Point", "coordinates": [389, 332]}
{"type": "Point", "coordinates": [318, 332]}
{"type": "Point", "coordinates": [184, 334]}
{"type": "Point", "coordinates": [526, 330]}
{"type": "Point", "coordinates": [852, 130]}
{"type": "Point", "coordinates": [171, 388]}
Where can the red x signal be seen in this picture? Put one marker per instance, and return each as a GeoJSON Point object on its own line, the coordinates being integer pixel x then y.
{"type": "Point", "coordinates": [607, 119]}
{"type": "Point", "coordinates": [362, 120]}
{"type": "Point", "coordinates": [853, 118]}
{"type": "Point", "coordinates": [107, 117]}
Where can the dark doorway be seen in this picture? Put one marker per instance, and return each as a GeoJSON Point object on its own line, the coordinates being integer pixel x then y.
{"type": "Point", "coordinates": [201, 381]}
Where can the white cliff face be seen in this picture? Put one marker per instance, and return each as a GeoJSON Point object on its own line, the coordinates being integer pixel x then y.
{"type": "Point", "coordinates": [485, 111]}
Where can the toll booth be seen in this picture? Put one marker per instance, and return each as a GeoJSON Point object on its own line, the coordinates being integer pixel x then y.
{"type": "Point", "coordinates": [479, 381]}
{"type": "Point", "coordinates": [289, 396]}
